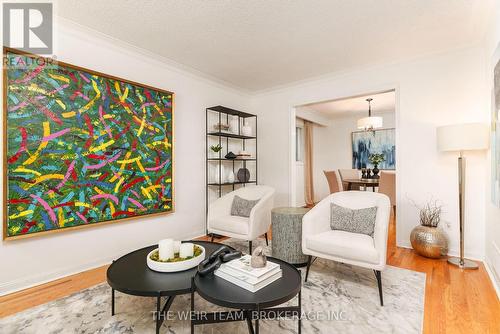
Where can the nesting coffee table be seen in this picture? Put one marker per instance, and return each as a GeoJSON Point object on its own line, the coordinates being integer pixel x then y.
{"type": "Point", "coordinates": [249, 306]}
{"type": "Point", "coordinates": [131, 275]}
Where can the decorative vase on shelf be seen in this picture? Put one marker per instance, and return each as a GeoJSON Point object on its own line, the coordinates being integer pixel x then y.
{"type": "Point", "coordinates": [375, 171]}
{"type": "Point", "coordinates": [246, 130]}
{"type": "Point", "coordinates": [230, 177]}
{"type": "Point", "coordinates": [219, 177]}
{"type": "Point", "coordinates": [243, 175]}
{"type": "Point", "coordinates": [234, 126]}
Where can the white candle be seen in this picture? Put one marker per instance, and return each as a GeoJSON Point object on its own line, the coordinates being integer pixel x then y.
{"type": "Point", "coordinates": [177, 246]}
{"type": "Point", "coordinates": [166, 249]}
{"type": "Point", "coordinates": [186, 250]}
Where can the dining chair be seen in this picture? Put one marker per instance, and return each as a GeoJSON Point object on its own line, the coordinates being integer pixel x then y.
{"type": "Point", "coordinates": [334, 181]}
{"type": "Point", "coordinates": [346, 174]}
{"type": "Point", "coordinates": [387, 186]}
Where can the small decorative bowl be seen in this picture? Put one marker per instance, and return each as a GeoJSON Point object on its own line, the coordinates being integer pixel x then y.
{"type": "Point", "coordinates": [170, 267]}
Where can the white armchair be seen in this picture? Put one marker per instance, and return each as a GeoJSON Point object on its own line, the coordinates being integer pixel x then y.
{"type": "Point", "coordinates": [319, 240]}
{"type": "Point", "coordinates": [221, 222]}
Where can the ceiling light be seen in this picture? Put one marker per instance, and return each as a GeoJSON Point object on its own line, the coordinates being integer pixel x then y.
{"type": "Point", "coordinates": [370, 122]}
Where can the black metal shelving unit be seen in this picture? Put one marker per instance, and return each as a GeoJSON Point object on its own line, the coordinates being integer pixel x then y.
{"type": "Point", "coordinates": [222, 115]}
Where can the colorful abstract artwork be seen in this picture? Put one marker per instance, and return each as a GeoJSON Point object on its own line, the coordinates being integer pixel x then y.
{"type": "Point", "coordinates": [82, 147]}
{"type": "Point", "coordinates": [365, 143]}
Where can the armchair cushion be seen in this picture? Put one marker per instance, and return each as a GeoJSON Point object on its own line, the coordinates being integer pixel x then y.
{"type": "Point", "coordinates": [242, 207]}
{"type": "Point", "coordinates": [344, 245]}
{"type": "Point", "coordinates": [353, 220]}
{"type": "Point", "coordinates": [231, 224]}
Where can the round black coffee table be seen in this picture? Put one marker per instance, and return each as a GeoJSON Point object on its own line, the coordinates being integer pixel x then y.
{"type": "Point", "coordinates": [250, 305]}
{"type": "Point", "coordinates": [131, 275]}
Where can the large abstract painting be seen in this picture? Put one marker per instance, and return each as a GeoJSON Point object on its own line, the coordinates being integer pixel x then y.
{"type": "Point", "coordinates": [365, 143]}
{"type": "Point", "coordinates": [81, 147]}
{"type": "Point", "coordinates": [495, 137]}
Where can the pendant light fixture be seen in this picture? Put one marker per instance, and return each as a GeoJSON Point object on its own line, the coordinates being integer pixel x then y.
{"type": "Point", "coordinates": [371, 122]}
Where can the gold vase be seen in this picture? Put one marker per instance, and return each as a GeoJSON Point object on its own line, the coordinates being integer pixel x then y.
{"type": "Point", "coordinates": [429, 241]}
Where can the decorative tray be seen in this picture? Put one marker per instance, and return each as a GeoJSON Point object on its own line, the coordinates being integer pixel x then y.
{"type": "Point", "coordinates": [175, 264]}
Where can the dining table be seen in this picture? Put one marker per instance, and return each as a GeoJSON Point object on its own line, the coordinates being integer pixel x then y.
{"type": "Point", "coordinates": [365, 183]}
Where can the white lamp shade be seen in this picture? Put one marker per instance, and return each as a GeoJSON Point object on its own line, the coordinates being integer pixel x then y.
{"type": "Point", "coordinates": [370, 123]}
{"type": "Point", "coordinates": [463, 137]}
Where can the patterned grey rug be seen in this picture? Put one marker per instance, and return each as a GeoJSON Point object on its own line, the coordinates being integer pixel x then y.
{"type": "Point", "coordinates": [337, 298]}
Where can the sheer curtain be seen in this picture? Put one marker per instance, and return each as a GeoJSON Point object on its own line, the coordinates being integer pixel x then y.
{"type": "Point", "coordinates": [308, 163]}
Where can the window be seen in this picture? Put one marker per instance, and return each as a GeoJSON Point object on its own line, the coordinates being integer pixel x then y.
{"type": "Point", "coordinates": [299, 144]}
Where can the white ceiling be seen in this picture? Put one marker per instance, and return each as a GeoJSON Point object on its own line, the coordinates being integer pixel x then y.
{"type": "Point", "coordinates": [260, 44]}
{"type": "Point", "coordinates": [382, 103]}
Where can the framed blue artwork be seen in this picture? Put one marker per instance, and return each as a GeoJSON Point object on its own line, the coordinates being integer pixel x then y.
{"type": "Point", "coordinates": [365, 143]}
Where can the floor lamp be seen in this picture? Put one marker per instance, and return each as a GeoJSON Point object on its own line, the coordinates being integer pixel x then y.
{"type": "Point", "coordinates": [460, 138]}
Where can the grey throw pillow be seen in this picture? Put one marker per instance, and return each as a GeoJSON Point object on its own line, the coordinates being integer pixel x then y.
{"type": "Point", "coordinates": [353, 220]}
{"type": "Point", "coordinates": [242, 207]}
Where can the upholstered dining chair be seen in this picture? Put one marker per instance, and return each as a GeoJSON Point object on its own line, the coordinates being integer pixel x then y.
{"type": "Point", "coordinates": [346, 174]}
{"type": "Point", "coordinates": [320, 240]}
{"type": "Point", "coordinates": [387, 185]}
{"type": "Point", "coordinates": [220, 220]}
{"type": "Point", "coordinates": [334, 181]}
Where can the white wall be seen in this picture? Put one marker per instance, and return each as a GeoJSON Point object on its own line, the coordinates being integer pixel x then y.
{"type": "Point", "coordinates": [333, 148]}
{"type": "Point", "coordinates": [492, 228]}
{"type": "Point", "coordinates": [430, 91]}
{"type": "Point", "coordinates": [34, 260]}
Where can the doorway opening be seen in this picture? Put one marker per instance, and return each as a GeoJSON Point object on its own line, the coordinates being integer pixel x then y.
{"type": "Point", "coordinates": [339, 145]}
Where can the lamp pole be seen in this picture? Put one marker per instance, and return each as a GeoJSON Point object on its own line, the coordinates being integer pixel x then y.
{"type": "Point", "coordinates": [461, 261]}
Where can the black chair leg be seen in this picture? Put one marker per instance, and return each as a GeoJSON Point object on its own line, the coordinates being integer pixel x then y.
{"type": "Point", "coordinates": [308, 266]}
{"type": "Point", "coordinates": [267, 241]}
{"type": "Point", "coordinates": [211, 237]}
{"type": "Point", "coordinates": [250, 247]}
{"type": "Point", "coordinates": [378, 275]}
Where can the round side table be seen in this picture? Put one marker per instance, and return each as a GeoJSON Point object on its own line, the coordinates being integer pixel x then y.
{"type": "Point", "coordinates": [287, 235]}
{"type": "Point", "coordinates": [248, 306]}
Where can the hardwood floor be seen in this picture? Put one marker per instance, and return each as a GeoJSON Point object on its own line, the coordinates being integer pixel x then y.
{"type": "Point", "coordinates": [456, 301]}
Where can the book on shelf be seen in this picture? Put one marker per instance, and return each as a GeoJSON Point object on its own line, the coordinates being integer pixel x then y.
{"type": "Point", "coordinates": [246, 282]}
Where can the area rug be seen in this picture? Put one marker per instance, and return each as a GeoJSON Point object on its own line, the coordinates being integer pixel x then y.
{"type": "Point", "coordinates": [337, 298]}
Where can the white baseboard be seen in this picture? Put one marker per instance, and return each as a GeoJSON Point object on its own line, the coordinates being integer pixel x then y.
{"type": "Point", "coordinates": [495, 280]}
{"type": "Point", "coordinates": [42, 278]}
{"type": "Point", "coordinates": [451, 252]}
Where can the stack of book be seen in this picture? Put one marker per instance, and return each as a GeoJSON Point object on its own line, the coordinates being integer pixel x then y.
{"type": "Point", "coordinates": [241, 273]}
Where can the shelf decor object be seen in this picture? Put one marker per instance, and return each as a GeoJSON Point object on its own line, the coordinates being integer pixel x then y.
{"type": "Point", "coordinates": [226, 164]}
{"type": "Point", "coordinates": [243, 175]}
{"type": "Point", "coordinates": [462, 137]}
{"type": "Point", "coordinates": [81, 148]}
